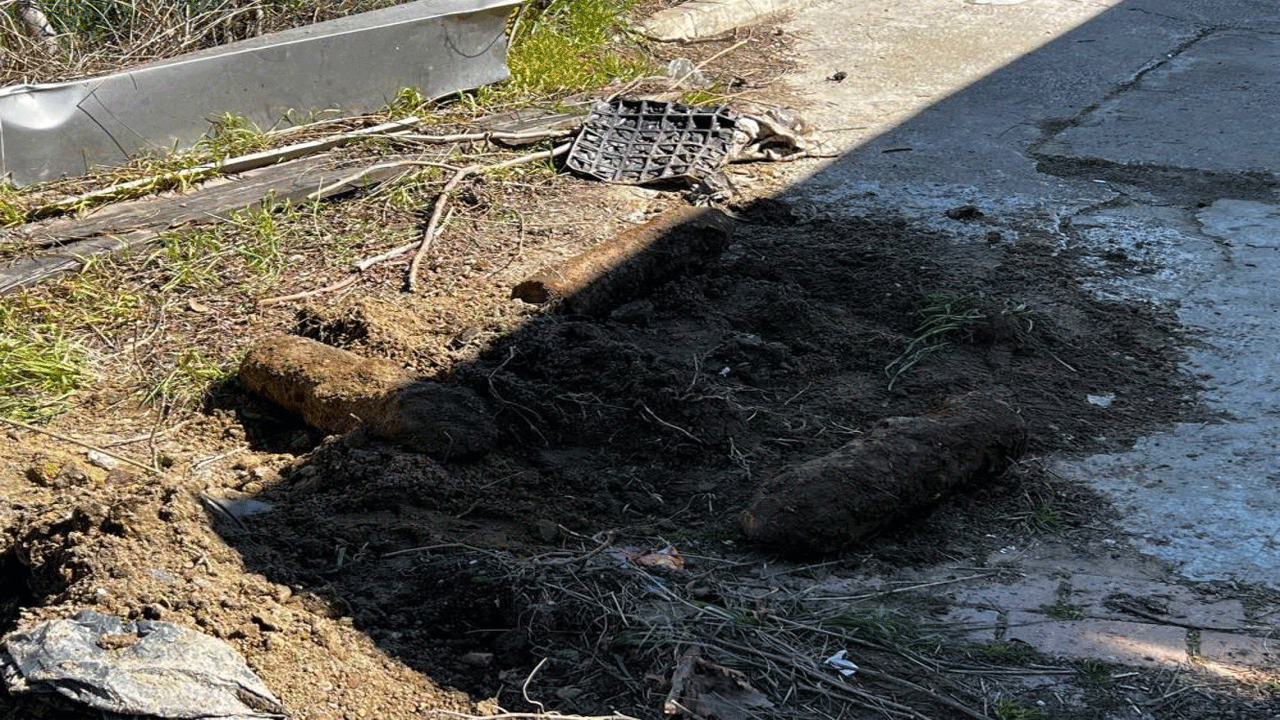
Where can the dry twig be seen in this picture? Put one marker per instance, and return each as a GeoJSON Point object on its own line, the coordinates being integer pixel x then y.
{"type": "Point", "coordinates": [604, 544]}
{"type": "Point", "coordinates": [81, 443]}
{"type": "Point", "coordinates": [442, 200]}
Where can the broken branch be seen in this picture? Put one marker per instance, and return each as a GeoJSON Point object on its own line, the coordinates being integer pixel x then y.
{"type": "Point", "coordinates": [81, 443]}
{"type": "Point", "coordinates": [491, 136]}
{"type": "Point", "coordinates": [334, 287]}
{"type": "Point", "coordinates": [442, 200]}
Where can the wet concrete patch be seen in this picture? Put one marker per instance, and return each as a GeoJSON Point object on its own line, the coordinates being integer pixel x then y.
{"type": "Point", "coordinates": [1203, 495]}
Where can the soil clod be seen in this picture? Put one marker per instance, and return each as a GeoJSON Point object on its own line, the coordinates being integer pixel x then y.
{"type": "Point", "coordinates": [901, 466]}
{"type": "Point", "coordinates": [338, 391]}
{"type": "Point", "coordinates": [616, 271]}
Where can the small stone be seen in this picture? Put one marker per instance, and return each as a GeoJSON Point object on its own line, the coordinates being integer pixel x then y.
{"type": "Point", "coordinates": [964, 213]}
{"type": "Point", "coordinates": [43, 470]}
{"type": "Point", "coordinates": [329, 638]}
{"type": "Point", "coordinates": [265, 474]}
{"type": "Point", "coordinates": [162, 575]}
{"type": "Point", "coordinates": [102, 460]}
{"type": "Point", "coordinates": [267, 621]}
{"type": "Point", "coordinates": [1103, 400]}
{"type": "Point", "coordinates": [71, 474]}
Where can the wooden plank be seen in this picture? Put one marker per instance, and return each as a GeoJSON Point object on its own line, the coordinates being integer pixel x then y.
{"type": "Point", "coordinates": [131, 225]}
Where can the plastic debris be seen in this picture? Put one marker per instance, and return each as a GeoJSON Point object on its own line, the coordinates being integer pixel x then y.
{"type": "Point", "coordinates": [147, 668]}
{"type": "Point", "coordinates": [686, 74]}
{"type": "Point", "coordinates": [766, 132]}
{"type": "Point", "coordinates": [667, 558]}
{"type": "Point", "coordinates": [236, 508]}
{"type": "Point", "coordinates": [645, 141]}
{"type": "Point", "coordinates": [843, 665]}
{"type": "Point", "coordinates": [704, 689]}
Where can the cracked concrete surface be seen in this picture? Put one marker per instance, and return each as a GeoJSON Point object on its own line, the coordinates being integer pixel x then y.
{"type": "Point", "coordinates": [1204, 496]}
{"type": "Point", "coordinates": [1144, 127]}
{"type": "Point", "coordinates": [1206, 107]}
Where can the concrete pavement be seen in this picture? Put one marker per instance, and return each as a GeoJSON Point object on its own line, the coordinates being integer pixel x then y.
{"type": "Point", "coordinates": [1144, 125]}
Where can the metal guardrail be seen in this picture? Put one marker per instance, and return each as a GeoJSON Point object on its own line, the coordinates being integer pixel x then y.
{"type": "Point", "coordinates": [347, 66]}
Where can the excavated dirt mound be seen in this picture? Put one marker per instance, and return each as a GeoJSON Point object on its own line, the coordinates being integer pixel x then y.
{"type": "Point", "coordinates": [372, 577]}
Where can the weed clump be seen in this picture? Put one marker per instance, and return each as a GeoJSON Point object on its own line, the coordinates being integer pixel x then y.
{"type": "Point", "coordinates": [40, 368]}
{"type": "Point", "coordinates": [570, 45]}
{"type": "Point", "coordinates": [99, 36]}
{"type": "Point", "coordinates": [946, 315]}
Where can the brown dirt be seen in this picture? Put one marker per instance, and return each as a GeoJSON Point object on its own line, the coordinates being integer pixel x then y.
{"type": "Point", "coordinates": [895, 469]}
{"type": "Point", "coordinates": [387, 584]}
{"type": "Point", "coordinates": [655, 424]}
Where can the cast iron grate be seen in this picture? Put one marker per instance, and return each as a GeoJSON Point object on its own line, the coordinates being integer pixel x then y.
{"type": "Point", "coordinates": [645, 141]}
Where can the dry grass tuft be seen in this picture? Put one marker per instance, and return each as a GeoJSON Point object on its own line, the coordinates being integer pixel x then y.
{"type": "Point", "coordinates": [765, 649]}
{"type": "Point", "coordinates": [100, 36]}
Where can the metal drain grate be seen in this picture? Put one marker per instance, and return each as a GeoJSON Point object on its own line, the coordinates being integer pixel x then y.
{"type": "Point", "coordinates": [644, 141]}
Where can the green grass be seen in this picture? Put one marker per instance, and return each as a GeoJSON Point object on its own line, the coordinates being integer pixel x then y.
{"type": "Point", "coordinates": [703, 97]}
{"type": "Point", "coordinates": [412, 191]}
{"type": "Point", "coordinates": [571, 45]}
{"type": "Point", "coordinates": [232, 135]}
{"type": "Point", "coordinates": [1064, 610]}
{"type": "Point", "coordinates": [249, 247]}
{"type": "Point", "coordinates": [1004, 652]}
{"type": "Point", "coordinates": [13, 210]}
{"type": "Point", "coordinates": [192, 260]}
{"type": "Point", "coordinates": [264, 233]}
{"type": "Point", "coordinates": [188, 381]}
{"type": "Point", "coordinates": [881, 623]}
{"type": "Point", "coordinates": [40, 369]}
{"type": "Point", "coordinates": [1041, 520]}
{"type": "Point", "coordinates": [946, 316]}
{"type": "Point", "coordinates": [408, 102]}
{"type": "Point", "coordinates": [112, 305]}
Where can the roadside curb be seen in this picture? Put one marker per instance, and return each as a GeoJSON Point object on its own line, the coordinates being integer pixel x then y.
{"type": "Point", "coordinates": [707, 18]}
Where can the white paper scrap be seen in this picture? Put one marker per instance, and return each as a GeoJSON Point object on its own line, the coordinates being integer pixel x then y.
{"type": "Point", "coordinates": [841, 664]}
